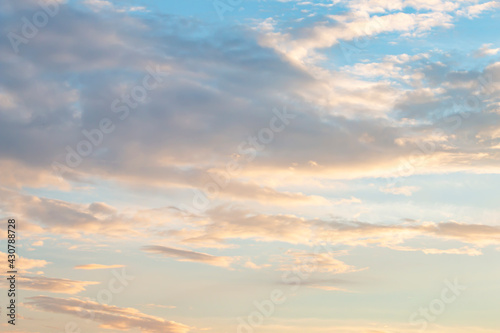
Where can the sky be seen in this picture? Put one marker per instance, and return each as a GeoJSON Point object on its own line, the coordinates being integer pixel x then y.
{"type": "Point", "coordinates": [251, 166]}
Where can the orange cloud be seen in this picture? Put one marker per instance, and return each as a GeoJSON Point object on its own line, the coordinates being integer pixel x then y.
{"type": "Point", "coordinates": [54, 285]}
{"type": "Point", "coordinates": [186, 255]}
{"type": "Point", "coordinates": [110, 317]}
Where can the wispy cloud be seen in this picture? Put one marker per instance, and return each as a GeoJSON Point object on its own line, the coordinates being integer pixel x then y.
{"type": "Point", "coordinates": [55, 285]}
{"type": "Point", "coordinates": [187, 255]}
{"type": "Point", "coordinates": [108, 316]}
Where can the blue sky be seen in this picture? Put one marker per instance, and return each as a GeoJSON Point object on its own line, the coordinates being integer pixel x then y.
{"type": "Point", "coordinates": [173, 165]}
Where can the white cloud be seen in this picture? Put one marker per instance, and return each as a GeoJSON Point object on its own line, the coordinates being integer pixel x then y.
{"type": "Point", "coordinates": [485, 51]}
{"type": "Point", "coordinates": [400, 190]}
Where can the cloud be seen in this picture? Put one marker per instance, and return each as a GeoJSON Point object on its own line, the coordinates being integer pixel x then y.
{"type": "Point", "coordinates": [109, 317]}
{"type": "Point", "coordinates": [485, 51]}
{"type": "Point", "coordinates": [186, 255]}
{"type": "Point", "coordinates": [401, 190]}
{"type": "Point", "coordinates": [61, 217]}
{"type": "Point", "coordinates": [150, 148]}
{"type": "Point", "coordinates": [252, 265]}
{"type": "Point", "coordinates": [101, 208]}
{"type": "Point", "coordinates": [467, 250]}
{"type": "Point", "coordinates": [317, 262]}
{"type": "Point", "coordinates": [97, 266]}
{"type": "Point", "coordinates": [365, 128]}
{"type": "Point", "coordinates": [381, 6]}
{"type": "Point", "coordinates": [100, 5]}
{"type": "Point", "coordinates": [222, 86]}
{"type": "Point", "coordinates": [24, 265]}
{"type": "Point", "coordinates": [54, 285]}
{"type": "Point", "coordinates": [223, 224]}
{"type": "Point", "coordinates": [475, 10]}
{"type": "Point", "coordinates": [300, 45]}
{"type": "Point", "coordinates": [352, 200]}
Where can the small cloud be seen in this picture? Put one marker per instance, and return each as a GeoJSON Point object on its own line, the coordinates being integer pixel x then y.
{"type": "Point", "coordinates": [485, 50]}
{"type": "Point", "coordinates": [402, 190]}
{"type": "Point", "coordinates": [55, 285]}
{"type": "Point", "coordinates": [186, 255]}
{"type": "Point", "coordinates": [37, 243]}
{"type": "Point", "coordinates": [253, 265]}
{"type": "Point", "coordinates": [97, 5]}
{"type": "Point", "coordinates": [25, 264]}
{"type": "Point", "coordinates": [318, 262]}
{"type": "Point", "coordinates": [352, 200]}
{"type": "Point", "coordinates": [467, 250]}
{"type": "Point", "coordinates": [476, 10]}
{"type": "Point", "coordinates": [137, 9]}
{"type": "Point", "coordinates": [464, 250]}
